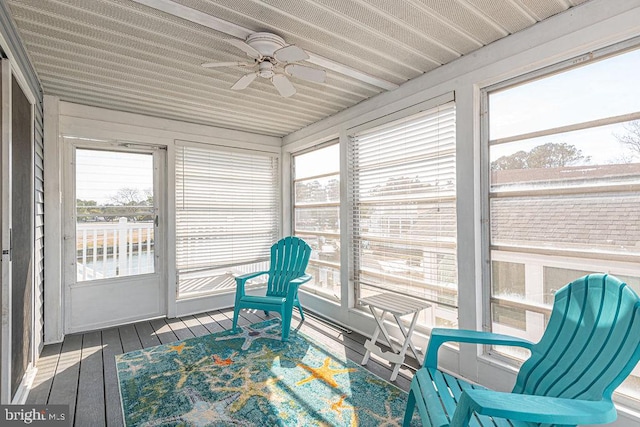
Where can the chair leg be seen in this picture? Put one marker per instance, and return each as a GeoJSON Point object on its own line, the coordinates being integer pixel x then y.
{"type": "Point", "coordinates": [266, 313]}
{"type": "Point", "coordinates": [408, 413]}
{"type": "Point", "coordinates": [300, 310]}
{"type": "Point", "coordinates": [286, 313]}
{"type": "Point", "coordinates": [236, 311]}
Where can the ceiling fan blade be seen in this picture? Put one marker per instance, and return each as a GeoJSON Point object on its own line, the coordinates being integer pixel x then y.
{"type": "Point", "coordinates": [306, 73]}
{"type": "Point", "coordinates": [244, 81]}
{"type": "Point", "coordinates": [291, 53]}
{"type": "Point", "coordinates": [228, 64]}
{"type": "Point", "coordinates": [283, 85]}
{"type": "Point", "coordinates": [245, 48]}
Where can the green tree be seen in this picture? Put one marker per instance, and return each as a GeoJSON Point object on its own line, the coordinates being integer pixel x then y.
{"type": "Point", "coordinates": [549, 155]}
{"type": "Point", "coordinates": [86, 210]}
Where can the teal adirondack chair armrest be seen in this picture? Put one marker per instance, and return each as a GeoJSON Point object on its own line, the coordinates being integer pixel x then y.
{"type": "Point", "coordinates": [241, 280]}
{"type": "Point", "coordinates": [300, 280]}
{"type": "Point", "coordinates": [441, 335]}
{"type": "Point", "coordinates": [295, 284]}
{"type": "Point", "coordinates": [532, 408]}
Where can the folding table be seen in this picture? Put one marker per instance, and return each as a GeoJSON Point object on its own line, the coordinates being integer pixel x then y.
{"type": "Point", "coordinates": [398, 306]}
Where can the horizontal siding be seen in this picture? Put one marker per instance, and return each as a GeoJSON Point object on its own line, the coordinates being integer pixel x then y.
{"type": "Point", "coordinates": [39, 222]}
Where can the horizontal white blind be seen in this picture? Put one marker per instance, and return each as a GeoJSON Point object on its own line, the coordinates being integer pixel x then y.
{"type": "Point", "coordinates": [226, 207]}
{"type": "Point", "coordinates": [404, 205]}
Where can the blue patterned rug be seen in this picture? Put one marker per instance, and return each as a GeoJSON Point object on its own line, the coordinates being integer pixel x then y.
{"type": "Point", "coordinates": [251, 378]}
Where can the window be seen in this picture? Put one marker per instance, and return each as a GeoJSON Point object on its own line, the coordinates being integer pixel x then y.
{"type": "Point", "coordinates": [403, 215]}
{"type": "Point", "coordinates": [316, 209]}
{"type": "Point", "coordinates": [227, 215]}
{"type": "Point", "coordinates": [563, 187]}
{"type": "Point", "coordinates": [114, 217]}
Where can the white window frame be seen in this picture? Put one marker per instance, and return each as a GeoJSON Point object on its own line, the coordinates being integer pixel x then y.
{"type": "Point", "coordinates": [616, 264]}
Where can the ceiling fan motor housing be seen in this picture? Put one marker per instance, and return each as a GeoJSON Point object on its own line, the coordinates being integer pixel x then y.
{"type": "Point", "coordinates": [265, 69]}
{"type": "Point", "coordinates": [265, 43]}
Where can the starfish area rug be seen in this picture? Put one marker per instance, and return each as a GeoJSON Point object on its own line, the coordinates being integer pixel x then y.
{"type": "Point", "coordinates": [249, 377]}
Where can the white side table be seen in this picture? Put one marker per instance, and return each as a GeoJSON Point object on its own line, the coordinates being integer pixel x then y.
{"type": "Point", "coordinates": [399, 306]}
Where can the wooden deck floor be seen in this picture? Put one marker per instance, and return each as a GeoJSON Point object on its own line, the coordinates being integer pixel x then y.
{"type": "Point", "coordinates": [81, 372]}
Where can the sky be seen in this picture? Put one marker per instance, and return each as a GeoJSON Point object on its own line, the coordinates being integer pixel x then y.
{"type": "Point", "coordinates": [594, 91]}
{"type": "Point", "coordinates": [100, 174]}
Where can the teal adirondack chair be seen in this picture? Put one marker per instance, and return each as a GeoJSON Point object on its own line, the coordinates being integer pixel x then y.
{"type": "Point", "coordinates": [591, 344]}
{"type": "Point", "coordinates": [289, 259]}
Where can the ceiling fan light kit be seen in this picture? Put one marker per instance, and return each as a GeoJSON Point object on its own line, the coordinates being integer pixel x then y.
{"type": "Point", "coordinates": [275, 60]}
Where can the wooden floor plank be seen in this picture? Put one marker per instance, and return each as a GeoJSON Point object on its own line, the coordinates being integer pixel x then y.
{"type": "Point", "coordinates": [47, 365]}
{"type": "Point", "coordinates": [111, 347]}
{"type": "Point", "coordinates": [129, 338]}
{"type": "Point", "coordinates": [64, 389]}
{"type": "Point", "coordinates": [90, 409]}
{"type": "Point", "coordinates": [194, 326]}
{"type": "Point", "coordinates": [208, 322]}
{"type": "Point", "coordinates": [180, 329]}
{"type": "Point", "coordinates": [224, 320]}
{"type": "Point", "coordinates": [163, 331]}
{"type": "Point", "coordinates": [147, 334]}
{"type": "Point", "coordinates": [251, 316]}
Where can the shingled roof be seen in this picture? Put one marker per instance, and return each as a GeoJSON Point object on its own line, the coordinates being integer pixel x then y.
{"type": "Point", "coordinates": [596, 220]}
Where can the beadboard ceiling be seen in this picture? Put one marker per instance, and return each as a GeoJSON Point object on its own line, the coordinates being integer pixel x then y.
{"type": "Point", "coordinates": [145, 56]}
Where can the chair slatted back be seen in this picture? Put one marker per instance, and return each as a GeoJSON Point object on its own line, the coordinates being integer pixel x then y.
{"type": "Point", "coordinates": [289, 259]}
{"type": "Point", "coordinates": [591, 344]}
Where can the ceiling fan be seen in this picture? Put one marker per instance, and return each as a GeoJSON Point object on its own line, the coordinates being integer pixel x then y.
{"type": "Point", "coordinates": [274, 60]}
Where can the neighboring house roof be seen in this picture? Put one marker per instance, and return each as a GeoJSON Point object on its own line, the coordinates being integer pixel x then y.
{"type": "Point", "coordinates": [603, 220]}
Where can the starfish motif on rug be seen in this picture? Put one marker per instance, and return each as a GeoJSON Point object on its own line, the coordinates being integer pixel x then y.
{"type": "Point", "coordinates": [178, 347]}
{"type": "Point", "coordinates": [341, 409]}
{"type": "Point", "coordinates": [202, 413]}
{"type": "Point", "coordinates": [250, 335]}
{"type": "Point", "coordinates": [386, 420]}
{"type": "Point", "coordinates": [324, 373]}
{"type": "Point", "coordinates": [249, 388]}
{"type": "Point", "coordinates": [187, 369]}
{"type": "Point", "coordinates": [217, 360]}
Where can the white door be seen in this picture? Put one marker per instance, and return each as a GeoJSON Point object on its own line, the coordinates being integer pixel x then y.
{"type": "Point", "coordinates": [114, 251]}
{"type": "Point", "coordinates": [17, 333]}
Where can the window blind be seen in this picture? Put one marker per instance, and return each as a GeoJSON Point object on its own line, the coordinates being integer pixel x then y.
{"type": "Point", "coordinates": [227, 204]}
{"type": "Point", "coordinates": [403, 216]}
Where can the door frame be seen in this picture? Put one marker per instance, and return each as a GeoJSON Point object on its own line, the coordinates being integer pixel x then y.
{"type": "Point", "coordinates": [73, 290]}
{"type": "Point", "coordinates": [10, 71]}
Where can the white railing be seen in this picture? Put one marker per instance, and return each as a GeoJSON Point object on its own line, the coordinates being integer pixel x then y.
{"type": "Point", "coordinates": [108, 249]}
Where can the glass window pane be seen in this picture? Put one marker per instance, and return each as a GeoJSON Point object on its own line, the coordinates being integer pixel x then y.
{"type": "Point", "coordinates": [114, 214]}
{"type": "Point", "coordinates": [326, 220]}
{"type": "Point", "coordinates": [596, 90]}
{"type": "Point", "coordinates": [318, 190]}
{"type": "Point", "coordinates": [316, 215]}
{"type": "Point", "coordinates": [592, 222]}
{"type": "Point", "coordinates": [507, 279]}
{"type": "Point", "coordinates": [317, 162]}
{"type": "Point", "coordinates": [569, 159]}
